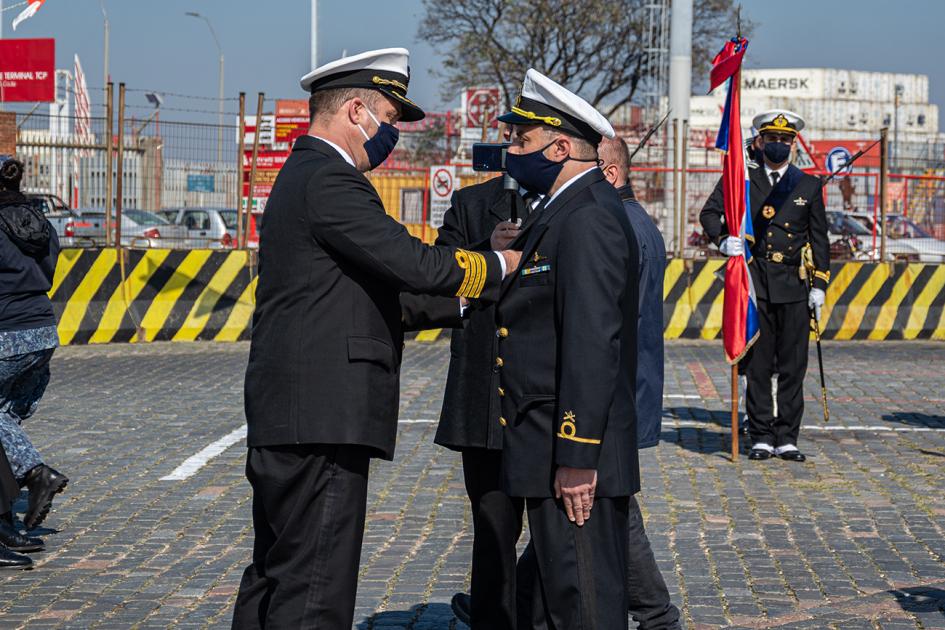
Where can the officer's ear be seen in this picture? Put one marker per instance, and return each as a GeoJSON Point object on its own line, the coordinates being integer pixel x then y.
{"type": "Point", "coordinates": [611, 171]}
{"type": "Point", "coordinates": [560, 148]}
{"type": "Point", "coordinates": [355, 110]}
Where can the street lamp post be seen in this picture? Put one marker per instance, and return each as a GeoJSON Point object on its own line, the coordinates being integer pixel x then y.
{"type": "Point", "coordinates": [107, 31]}
{"type": "Point", "coordinates": [220, 96]}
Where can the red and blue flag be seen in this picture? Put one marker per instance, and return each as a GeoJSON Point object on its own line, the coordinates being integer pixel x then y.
{"type": "Point", "coordinates": [740, 306]}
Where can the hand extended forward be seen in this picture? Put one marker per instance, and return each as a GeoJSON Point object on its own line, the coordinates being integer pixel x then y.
{"type": "Point", "coordinates": [512, 260]}
{"type": "Point", "coordinates": [575, 487]}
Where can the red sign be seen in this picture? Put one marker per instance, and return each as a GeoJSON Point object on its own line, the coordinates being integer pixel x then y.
{"type": "Point", "coordinates": [821, 148]}
{"type": "Point", "coordinates": [27, 70]}
{"type": "Point", "coordinates": [482, 107]}
{"type": "Point", "coordinates": [268, 165]}
{"type": "Point", "coordinates": [291, 119]}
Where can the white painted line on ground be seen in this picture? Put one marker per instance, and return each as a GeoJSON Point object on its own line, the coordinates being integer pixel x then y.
{"type": "Point", "coordinates": [689, 396]}
{"type": "Point", "coordinates": [192, 464]}
{"type": "Point", "coordinates": [691, 424]}
{"type": "Point", "coordinates": [195, 462]}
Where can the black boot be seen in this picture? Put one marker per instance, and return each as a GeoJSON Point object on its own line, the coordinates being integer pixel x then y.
{"type": "Point", "coordinates": [12, 539]}
{"type": "Point", "coordinates": [12, 560]}
{"type": "Point", "coordinates": [43, 483]}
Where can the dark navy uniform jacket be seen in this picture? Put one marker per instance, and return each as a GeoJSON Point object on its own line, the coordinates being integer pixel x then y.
{"type": "Point", "coordinates": [327, 337]}
{"type": "Point", "coordinates": [567, 345]}
{"type": "Point", "coordinates": [650, 323]}
{"type": "Point", "coordinates": [470, 411]}
{"type": "Point", "coordinates": [784, 218]}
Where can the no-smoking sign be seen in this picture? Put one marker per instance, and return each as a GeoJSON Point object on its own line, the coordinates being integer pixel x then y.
{"type": "Point", "coordinates": [442, 185]}
{"type": "Point", "coordinates": [482, 107]}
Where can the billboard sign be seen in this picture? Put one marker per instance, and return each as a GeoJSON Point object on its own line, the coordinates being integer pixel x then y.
{"type": "Point", "coordinates": [27, 70]}
{"type": "Point", "coordinates": [291, 120]}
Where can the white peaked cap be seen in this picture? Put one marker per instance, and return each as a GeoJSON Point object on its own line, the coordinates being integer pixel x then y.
{"type": "Point", "coordinates": [546, 102]}
{"type": "Point", "coordinates": [387, 70]}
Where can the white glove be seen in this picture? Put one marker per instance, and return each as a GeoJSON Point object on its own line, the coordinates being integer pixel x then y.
{"type": "Point", "coordinates": [732, 246]}
{"type": "Point", "coordinates": [815, 300]}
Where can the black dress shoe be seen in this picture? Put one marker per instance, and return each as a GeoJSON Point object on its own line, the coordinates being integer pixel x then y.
{"type": "Point", "coordinates": [462, 605]}
{"type": "Point", "coordinates": [43, 483]}
{"type": "Point", "coordinates": [12, 560]}
{"type": "Point", "coordinates": [759, 454]}
{"type": "Point", "coordinates": [793, 456]}
{"type": "Point", "coordinates": [14, 540]}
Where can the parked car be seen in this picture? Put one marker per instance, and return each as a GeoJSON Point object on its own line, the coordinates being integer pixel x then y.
{"type": "Point", "coordinates": [213, 228]}
{"type": "Point", "coordinates": [57, 213]}
{"type": "Point", "coordinates": [139, 228]}
{"type": "Point", "coordinates": [904, 239]}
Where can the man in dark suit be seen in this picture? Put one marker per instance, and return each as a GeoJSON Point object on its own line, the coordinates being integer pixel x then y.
{"type": "Point", "coordinates": [478, 218]}
{"type": "Point", "coordinates": [788, 214]}
{"type": "Point", "coordinates": [322, 382]}
{"type": "Point", "coordinates": [567, 323]}
{"type": "Point", "coordinates": [648, 596]}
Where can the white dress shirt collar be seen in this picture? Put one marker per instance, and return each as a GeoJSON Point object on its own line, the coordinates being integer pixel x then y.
{"type": "Point", "coordinates": [779, 171]}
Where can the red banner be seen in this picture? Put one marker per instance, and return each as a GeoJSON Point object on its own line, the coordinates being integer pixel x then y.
{"type": "Point", "coordinates": [27, 70]}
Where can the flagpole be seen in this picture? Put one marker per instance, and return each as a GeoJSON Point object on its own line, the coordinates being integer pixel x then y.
{"type": "Point", "coordinates": [735, 412]}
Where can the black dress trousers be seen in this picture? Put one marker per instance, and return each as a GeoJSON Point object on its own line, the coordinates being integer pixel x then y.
{"type": "Point", "coordinates": [581, 577]}
{"type": "Point", "coordinates": [497, 526]}
{"type": "Point", "coordinates": [309, 504]}
{"type": "Point", "coordinates": [784, 335]}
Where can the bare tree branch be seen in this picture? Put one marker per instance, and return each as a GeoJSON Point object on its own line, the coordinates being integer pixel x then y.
{"type": "Point", "coordinates": [594, 47]}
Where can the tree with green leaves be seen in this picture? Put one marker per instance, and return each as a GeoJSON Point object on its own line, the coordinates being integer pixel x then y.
{"type": "Point", "coordinates": [596, 48]}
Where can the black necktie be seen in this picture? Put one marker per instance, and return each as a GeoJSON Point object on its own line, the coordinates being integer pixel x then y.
{"type": "Point", "coordinates": [775, 176]}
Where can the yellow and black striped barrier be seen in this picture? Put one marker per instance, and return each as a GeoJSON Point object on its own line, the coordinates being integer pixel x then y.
{"type": "Point", "coordinates": [103, 296]}
{"type": "Point", "coordinates": [864, 301]}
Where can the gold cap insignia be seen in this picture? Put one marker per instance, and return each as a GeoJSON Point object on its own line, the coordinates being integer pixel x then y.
{"type": "Point", "coordinates": [767, 212]}
{"type": "Point", "coordinates": [780, 122]}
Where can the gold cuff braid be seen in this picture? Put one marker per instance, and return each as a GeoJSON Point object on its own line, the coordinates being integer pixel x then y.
{"type": "Point", "coordinates": [474, 264]}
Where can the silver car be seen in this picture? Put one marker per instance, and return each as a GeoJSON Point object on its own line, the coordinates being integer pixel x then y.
{"type": "Point", "coordinates": [206, 228]}
{"type": "Point", "coordinates": [139, 228]}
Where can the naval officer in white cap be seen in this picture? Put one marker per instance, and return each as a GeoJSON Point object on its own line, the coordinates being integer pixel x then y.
{"type": "Point", "coordinates": [322, 382]}
{"type": "Point", "coordinates": [788, 215]}
{"type": "Point", "coordinates": [566, 365]}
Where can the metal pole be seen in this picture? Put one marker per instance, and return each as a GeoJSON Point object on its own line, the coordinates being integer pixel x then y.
{"type": "Point", "coordinates": [109, 156]}
{"type": "Point", "coordinates": [314, 34]}
{"type": "Point", "coordinates": [240, 139]}
{"type": "Point", "coordinates": [121, 165]}
{"type": "Point", "coordinates": [252, 166]}
{"type": "Point", "coordinates": [107, 32]}
{"type": "Point", "coordinates": [883, 188]}
{"type": "Point", "coordinates": [220, 116]}
{"type": "Point", "coordinates": [677, 124]}
{"type": "Point", "coordinates": [683, 207]}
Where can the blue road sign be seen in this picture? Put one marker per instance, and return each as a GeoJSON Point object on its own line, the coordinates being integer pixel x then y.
{"type": "Point", "coordinates": [199, 183]}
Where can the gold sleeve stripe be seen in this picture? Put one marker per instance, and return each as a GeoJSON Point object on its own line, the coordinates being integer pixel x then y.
{"type": "Point", "coordinates": [578, 439]}
{"type": "Point", "coordinates": [823, 275]}
{"type": "Point", "coordinates": [474, 264]}
{"type": "Point", "coordinates": [568, 429]}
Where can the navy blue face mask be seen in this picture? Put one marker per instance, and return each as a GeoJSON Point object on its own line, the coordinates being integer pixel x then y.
{"type": "Point", "coordinates": [777, 152]}
{"type": "Point", "coordinates": [379, 146]}
{"type": "Point", "coordinates": [534, 172]}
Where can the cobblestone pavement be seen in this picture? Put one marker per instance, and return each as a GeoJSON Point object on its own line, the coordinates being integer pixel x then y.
{"type": "Point", "coordinates": [852, 539]}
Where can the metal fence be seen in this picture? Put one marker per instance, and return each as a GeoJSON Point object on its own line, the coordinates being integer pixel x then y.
{"type": "Point", "coordinates": [139, 181]}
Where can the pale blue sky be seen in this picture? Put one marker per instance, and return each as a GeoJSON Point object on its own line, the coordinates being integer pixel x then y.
{"type": "Point", "coordinates": [266, 42]}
